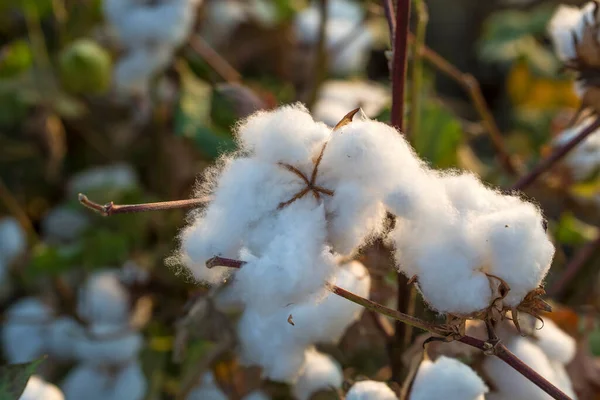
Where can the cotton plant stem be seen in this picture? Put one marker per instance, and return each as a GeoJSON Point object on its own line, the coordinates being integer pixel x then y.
{"type": "Point", "coordinates": [399, 62]}
{"type": "Point", "coordinates": [556, 156]}
{"type": "Point", "coordinates": [321, 62]}
{"type": "Point", "coordinates": [109, 209]}
{"type": "Point", "coordinates": [471, 86]}
{"type": "Point", "coordinates": [580, 259]}
{"type": "Point", "coordinates": [215, 60]}
{"type": "Point", "coordinates": [416, 100]}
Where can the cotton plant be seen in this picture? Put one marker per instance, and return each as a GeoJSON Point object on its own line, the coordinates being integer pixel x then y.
{"type": "Point", "coordinates": [370, 390]}
{"type": "Point", "coordinates": [38, 389]}
{"type": "Point", "coordinates": [345, 18]}
{"type": "Point", "coordinates": [320, 373]}
{"type": "Point", "coordinates": [447, 378]}
{"type": "Point", "coordinates": [336, 97]}
{"type": "Point", "coordinates": [492, 247]}
{"type": "Point", "coordinates": [584, 160]}
{"type": "Point", "coordinates": [106, 349]}
{"type": "Point", "coordinates": [548, 350]}
{"type": "Point", "coordinates": [150, 32]}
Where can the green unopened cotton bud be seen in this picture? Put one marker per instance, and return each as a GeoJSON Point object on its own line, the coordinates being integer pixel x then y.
{"type": "Point", "coordinates": [85, 67]}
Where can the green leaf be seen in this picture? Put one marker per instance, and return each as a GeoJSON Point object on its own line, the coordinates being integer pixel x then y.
{"type": "Point", "coordinates": [572, 231]}
{"type": "Point", "coordinates": [51, 260]}
{"type": "Point", "coordinates": [440, 136]}
{"type": "Point", "coordinates": [14, 378]}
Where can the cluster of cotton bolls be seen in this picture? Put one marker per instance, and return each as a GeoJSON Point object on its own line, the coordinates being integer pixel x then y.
{"type": "Point", "coordinates": [337, 97]}
{"type": "Point", "coordinates": [105, 349]}
{"type": "Point", "coordinates": [150, 32]}
{"type": "Point", "coordinates": [345, 19]}
{"type": "Point", "coordinates": [476, 238]}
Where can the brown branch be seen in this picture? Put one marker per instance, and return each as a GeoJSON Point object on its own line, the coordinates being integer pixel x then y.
{"type": "Point", "coordinates": [214, 59]}
{"type": "Point", "coordinates": [109, 209]}
{"type": "Point", "coordinates": [471, 86]}
{"type": "Point", "coordinates": [556, 156]}
{"type": "Point", "coordinates": [497, 349]}
{"type": "Point", "coordinates": [399, 63]}
{"type": "Point", "coordinates": [321, 59]}
{"type": "Point", "coordinates": [580, 259]}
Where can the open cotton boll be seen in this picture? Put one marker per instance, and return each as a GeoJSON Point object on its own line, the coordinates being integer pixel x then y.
{"type": "Point", "coordinates": [13, 240]}
{"type": "Point", "coordinates": [25, 329]}
{"type": "Point", "coordinates": [207, 390]}
{"type": "Point", "coordinates": [512, 383]}
{"type": "Point", "coordinates": [584, 159]}
{"type": "Point", "coordinates": [288, 135]}
{"type": "Point", "coordinates": [64, 224]}
{"type": "Point", "coordinates": [321, 372]}
{"type": "Point", "coordinates": [370, 390]}
{"type": "Point", "coordinates": [95, 383]}
{"type": "Point", "coordinates": [135, 69]}
{"type": "Point", "coordinates": [104, 299]}
{"type": "Point", "coordinates": [565, 22]}
{"type": "Point", "coordinates": [354, 55]}
{"type": "Point", "coordinates": [38, 389]}
{"type": "Point", "coordinates": [562, 380]}
{"type": "Point", "coordinates": [97, 349]}
{"type": "Point", "coordinates": [554, 342]}
{"type": "Point", "coordinates": [62, 336]}
{"type": "Point", "coordinates": [111, 177]}
{"type": "Point", "coordinates": [266, 342]}
{"type": "Point", "coordinates": [447, 378]}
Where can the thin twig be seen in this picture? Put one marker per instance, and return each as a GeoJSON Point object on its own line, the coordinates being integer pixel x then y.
{"type": "Point", "coordinates": [471, 86]}
{"type": "Point", "coordinates": [321, 62]}
{"type": "Point", "coordinates": [417, 69]}
{"type": "Point", "coordinates": [575, 265]}
{"type": "Point", "coordinates": [214, 59]}
{"type": "Point", "coordinates": [556, 156]}
{"type": "Point", "coordinates": [109, 209]}
{"type": "Point", "coordinates": [399, 63]}
{"type": "Point", "coordinates": [390, 15]}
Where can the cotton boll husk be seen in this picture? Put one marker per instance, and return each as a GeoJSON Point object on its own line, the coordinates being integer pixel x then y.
{"type": "Point", "coordinates": [519, 249]}
{"type": "Point", "coordinates": [554, 342]}
{"type": "Point", "coordinates": [25, 329]}
{"type": "Point", "coordinates": [511, 382]}
{"type": "Point", "coordinates": [294, 265]}
{"type": "Point", "coordinates": [447, 378]}
{"type": "Point", "coordinates": [62, 334]}
{"type": "Point", "coordinates": [135, 69]}
{"type": "Point", "coordinates": [265, 342]}
{"type": "Point", "coordinates": [288, 135]}
{"type": "Point", "coordinates": [64, 224]}
{"type": "Point", "coordinates": [370, 390]}
{"type": "Point", "coordinates": [104, 299]}
{"type": "Point", "coordinates": [207, 390]}
{"type": "Point", "coordinates": [257, 395]}
{"type": "Point", "coordinates": [564, 23]}
{"type": "Point", "coordinates": [113, 177]}
{"type": "Point", "coordinates": [105, 350]}
{"type": "Point", "coordinates": [38, 389]}
{"type": "Point", "coordinates": [13, 240]}
{"type": "Point", "coordinates": [94, 383]}
{"type": "Point", "coordinates": [321, 372]}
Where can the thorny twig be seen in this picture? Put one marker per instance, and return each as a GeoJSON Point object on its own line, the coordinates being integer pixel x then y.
{"type": "Point", "coordinates": [556, 156]}
{"type": "Point", "coordinates": [496, 348]}
{"type": "Point", "coordinates": [109, 209]}
{"type": "Point", "coordinates": [214, 59]}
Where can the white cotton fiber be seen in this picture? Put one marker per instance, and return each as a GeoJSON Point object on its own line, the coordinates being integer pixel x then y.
{"type": "Point", "coordinates": [38, 389]}
{"type": "Point", "coordinates": [562, 379]}
{"type": "Point", "coordinates": [207, 390]}
{"type": "Point", "coordinates": [96, 383]}
{"type": "Point", "coordinates": [566, 23]}
{"type": "Point", "coordinates": [107, 347]}
{"type": "Point", "coordinates": [321, 372]}
{"type": "Point", "coordinates": [13, 240]}
{"type": "Point", "coordinates": [554, 342]}
{"type": "Point", "coordinates": [25, 330]}
{"type": "Point", "coordinates": [370, 390]}
{"type": "Point", "coordinates": [584, 160]}
{"type": "Point", "coordinates": [104, 300]}
{"type": "Point", "coordinates": [109, 177]}
{"type": "Point", "coordinates": [137, 67]}
{"type": "Point", "coordinates": [447, 378]}
{"type": "Point", "coordinates": [63, 333]}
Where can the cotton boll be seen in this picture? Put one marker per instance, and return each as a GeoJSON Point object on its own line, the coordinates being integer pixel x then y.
{"type": "Point", "coordinates": [584, 159]}
{"type": "Point", "coordinates": [95, 383]}
{"type": "Point", "coordinates": [25, 329]}
{"type": "Point", "coordinates": [222, 17]}
{"type": "Point", "coordinates": [62, 335]}
{"type": "Point", "coordinates": [113, 177]}
{"type": "Point", "coordinates": [108, 347]}
{"type": "Point", "coordinates": [519, 248]}
{"type": "Point", "coordinates": [135, 69]}
{"type": "Point", "coordinates": [354, 55]}
{"type": "Point", "coordinates": [370, 390]}
{"type": "Point", "coordinates": [330, 111]}
{"type": "Point", "coordinates": [554, 342]}
{"type": "Point", "coordinates": [207, 390]}
{"type": "Point", "coordinates": [449, 379]}
{"type": "Point", "coordinates": [511, 382]}
{"type": "Point", "coordinates": [562, 26]}
{"type": "Point", "coordinates": [64, 224]}
{"type": "Point", "coordinates": [321, 372]}
{"type": "Point", "coordinates": [562, 380]}
{"type": "Point", "coordinates": [288, 135]}
{"type": "Point", "coordinates": [103, 299]}
{"type": "Point", "coordinates": [38, 389]}
{"type": "Point", "coordinates": [13, 240]}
